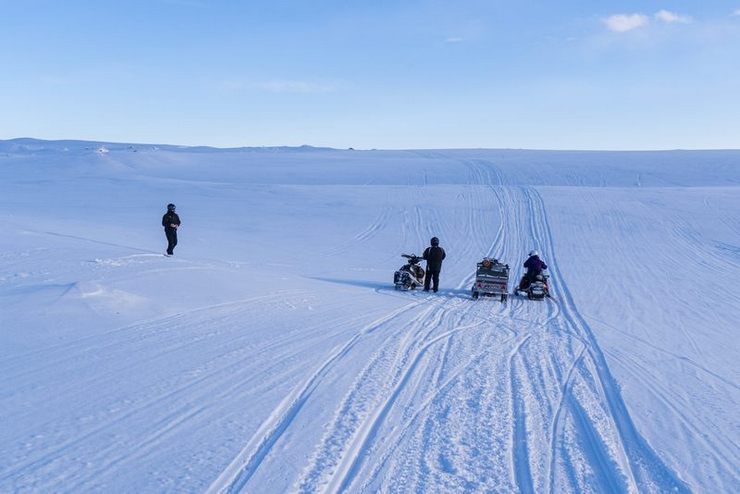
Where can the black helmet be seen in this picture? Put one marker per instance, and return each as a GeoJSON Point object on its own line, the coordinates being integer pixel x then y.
{"type": "Point", "coordinates": [170, 207]}
{"type": "Point", "coordinates": [435, 241]}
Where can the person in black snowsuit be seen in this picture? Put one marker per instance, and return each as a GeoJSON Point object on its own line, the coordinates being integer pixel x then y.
{"type": "Point", "coordinates": [535, 266]}
{"type": "Point", "coordinates": [171, 222]}
{"type": "Point", "coordinates": [434, 256]}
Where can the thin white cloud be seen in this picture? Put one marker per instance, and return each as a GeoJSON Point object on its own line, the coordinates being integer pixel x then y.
{"type": "Point", "coordinates": [454, 39]}
{"type": "Point", "coordinates": [621, 23]}
{"type": "Point", "coordinates": [672, 18]}
{"type": "Point", "coordinates": [736, 13]}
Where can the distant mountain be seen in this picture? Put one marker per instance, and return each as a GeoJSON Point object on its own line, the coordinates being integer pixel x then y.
{"type": "Point", "coordinates": [30, 145]}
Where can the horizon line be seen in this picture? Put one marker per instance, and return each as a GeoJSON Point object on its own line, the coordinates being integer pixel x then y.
{"type": "Point", "coordinates": [332, 148]}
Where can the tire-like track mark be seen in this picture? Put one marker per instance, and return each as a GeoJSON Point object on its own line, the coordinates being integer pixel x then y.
{"type": "Point", "coordinates": [378, 224]}
{"type": "Point", "coordinates": [520, 461]}
{"type": "Point", "coordinates": [724, 454]}
{"type": "Point", "coordinates": [646, 469]}
{"type": "Point", "coordinates": [246, 463]}
{"type": "Point", "coordinates": [398, 436]}
{"type": "Point", "coordinates": [555, 428]}
{"type": "Point", "coordinates": [346, 471]}
{"type": "Point", "coordinates": [353, 459]}
{"type": "Point", "coordinates": [358, 418]}
{"type": "Point", "coordinates": [340, 460]}
{"type": "Point", "coordinates": [220, 378]}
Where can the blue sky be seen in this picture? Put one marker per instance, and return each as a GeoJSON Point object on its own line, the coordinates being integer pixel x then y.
{"type": "Point", "coordinates": [376, 74]}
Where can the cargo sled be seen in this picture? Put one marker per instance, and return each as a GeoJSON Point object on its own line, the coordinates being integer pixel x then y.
{"type": "Point", "coordinates": [491, 279]}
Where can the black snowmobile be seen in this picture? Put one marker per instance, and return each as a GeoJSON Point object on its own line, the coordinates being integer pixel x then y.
{"type": "Point", "coordinates": [534, 289]}
{"type": "Point", "coordinates": [410, 275]}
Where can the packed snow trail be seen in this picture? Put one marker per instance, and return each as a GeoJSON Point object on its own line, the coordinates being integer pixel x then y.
{"type": "Point", "coordinates": [410, 421]}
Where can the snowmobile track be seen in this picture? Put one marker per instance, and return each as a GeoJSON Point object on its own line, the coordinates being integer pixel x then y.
{"type": "Point", "coordinates": [646, 469]}
{"type": "Point", "coordinates": [235, 477]}
{"type": "Point", "coordinates": [569, 400]}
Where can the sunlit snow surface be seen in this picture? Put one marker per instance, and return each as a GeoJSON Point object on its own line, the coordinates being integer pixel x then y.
{"type": "Point", "coordinates": [271, 353]}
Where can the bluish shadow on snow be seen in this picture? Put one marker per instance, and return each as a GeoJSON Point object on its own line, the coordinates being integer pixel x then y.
{"type": "Point", "coordinates": [388, 287]}
{"type": "Point", "coordinates": [375, 285]}
{"type": "Point", "coordinates": [59, 290]}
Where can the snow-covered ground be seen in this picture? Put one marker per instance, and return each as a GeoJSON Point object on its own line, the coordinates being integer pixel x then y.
{"type": "Point", "coordinates": [271, 354]}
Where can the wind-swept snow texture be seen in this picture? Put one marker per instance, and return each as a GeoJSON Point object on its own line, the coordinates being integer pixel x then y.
{"type": "Point", "coordinates": [271, 354]}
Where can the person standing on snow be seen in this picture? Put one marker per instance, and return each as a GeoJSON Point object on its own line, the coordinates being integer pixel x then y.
{"type": "Point", "coordinates": [534, 266]}
{"type": "Point", "coordinates": [434, 256]}
{"type": "Point", "coordinates": [171, 222]}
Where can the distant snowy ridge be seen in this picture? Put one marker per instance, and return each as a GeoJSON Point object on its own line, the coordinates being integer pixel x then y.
{"type": "Point", "coordinates": [30, 145]}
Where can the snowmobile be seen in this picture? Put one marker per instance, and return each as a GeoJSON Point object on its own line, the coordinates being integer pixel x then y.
{"type": "Point", "coordinates": [536, 289]}
{"type": "Point", "coordinates": [491, 279]}
{"type": "Point", "coordinates": [410, 275]}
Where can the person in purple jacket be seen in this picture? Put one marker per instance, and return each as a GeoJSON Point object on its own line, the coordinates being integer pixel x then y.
{"type": "Point", "coordinates": [534, 266]}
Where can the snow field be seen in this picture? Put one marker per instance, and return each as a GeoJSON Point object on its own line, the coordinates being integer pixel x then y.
{"type": "Point", "coordinates": [271, 354]}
